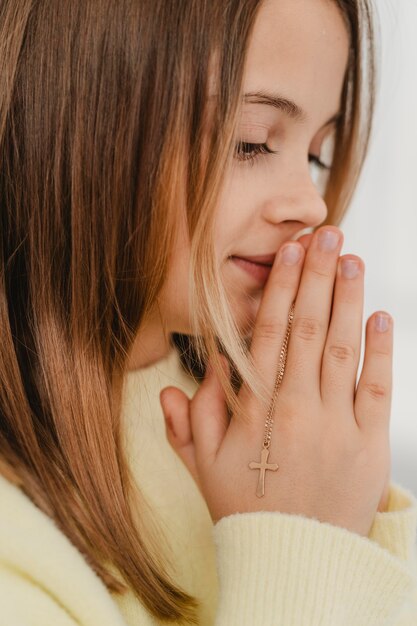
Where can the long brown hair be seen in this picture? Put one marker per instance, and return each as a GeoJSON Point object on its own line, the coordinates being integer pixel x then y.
{"type": "Point", "coordinates": [103, 107]}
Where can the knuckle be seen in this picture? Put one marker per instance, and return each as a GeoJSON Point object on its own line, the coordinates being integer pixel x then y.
{"type": "Point", "coordinates": [319, 272]}
{"type": "Point", "coordinates": [341, 353]}
{"type": "Point", "coordinates": [270, 330]}
{"type": "Point", "coordinates": [306, 328]}
{"type": "Point", "coordinates": [382, 354]}
{"type": "Point", "coordinates": [376, 391]}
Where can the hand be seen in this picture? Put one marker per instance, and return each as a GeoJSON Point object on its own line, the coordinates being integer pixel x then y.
{"type": "Point", "coordinates": [384, 501]}
{"type": "Point", "coordinates": [329, 438]}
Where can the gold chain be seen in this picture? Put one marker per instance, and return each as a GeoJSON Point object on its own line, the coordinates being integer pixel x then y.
{"type": "Point", "coordinates": [263, 465]}
{"type": "Point", "coordinates": [282, 360]}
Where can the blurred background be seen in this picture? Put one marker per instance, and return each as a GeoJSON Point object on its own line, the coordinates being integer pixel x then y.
{"type": "Point", "coordinates": [381, 225]}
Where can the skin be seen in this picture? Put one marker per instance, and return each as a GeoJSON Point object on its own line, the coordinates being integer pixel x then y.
{"type": "Point", "coordinates": [271, 198]}
{"type": "Point", "coordinates": [299, 49]}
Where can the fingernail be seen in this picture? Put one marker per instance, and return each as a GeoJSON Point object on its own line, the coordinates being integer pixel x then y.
{"type": "Point", "coordinates": [381, 322]}
{"type": "Point", "coordinates": [291, 254]}
{"type": "Point", "coordinates": [350, 268]}
{"type": "Point", "coordinates": [328, 240]}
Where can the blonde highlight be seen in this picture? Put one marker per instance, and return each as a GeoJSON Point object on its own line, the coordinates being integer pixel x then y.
{"type": "Point", "coordinates": [214, 328]}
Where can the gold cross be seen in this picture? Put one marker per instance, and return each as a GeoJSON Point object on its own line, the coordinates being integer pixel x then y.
{"type": "Point", "coordinates": [263, 465]}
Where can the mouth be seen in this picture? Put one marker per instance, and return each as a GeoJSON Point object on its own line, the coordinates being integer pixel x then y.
{"type": "Point", "coordinates": [258, 268]}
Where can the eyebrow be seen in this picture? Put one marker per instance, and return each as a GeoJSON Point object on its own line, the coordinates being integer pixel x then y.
{"type": "Point", "coordinates": [288, 107]}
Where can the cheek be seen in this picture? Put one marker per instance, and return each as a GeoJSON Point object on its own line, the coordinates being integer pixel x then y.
{"type": "Point", "coordinates": [174, 298]}
{"type": "Point", "coordinates": [226, 233]}
{"type": "Point", "coordinates": [174, 295]}
{"type": "Point", "coordinates": [235, 212]}
{"type": "Point", "coordinates": [234, 222]}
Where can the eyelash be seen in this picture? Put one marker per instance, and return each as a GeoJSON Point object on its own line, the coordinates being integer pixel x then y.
{"type": "Point", "coordinates": [257, 149]}
{"type": "Point", "coordinates": [313, 158]}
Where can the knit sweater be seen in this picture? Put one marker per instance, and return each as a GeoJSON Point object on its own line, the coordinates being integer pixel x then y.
{"type": "Point", "coordinates": [248, 569]}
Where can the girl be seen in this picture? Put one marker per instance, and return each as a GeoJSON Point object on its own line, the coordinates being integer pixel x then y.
{"type": "Point", "coordinates": [155, 158]}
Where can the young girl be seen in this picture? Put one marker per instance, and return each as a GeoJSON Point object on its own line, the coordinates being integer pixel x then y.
{"type": "Point", "coordinates": [156, 156]}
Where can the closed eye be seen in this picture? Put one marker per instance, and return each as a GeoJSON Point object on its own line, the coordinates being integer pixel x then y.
{"type": "Point", "coordinates": [245, 151]}
{"type": "Point", "coordinates": [313, 158]}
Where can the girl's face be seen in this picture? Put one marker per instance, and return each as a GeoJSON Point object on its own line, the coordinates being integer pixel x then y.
{"type": "Point", "coordinates": [296, 65]}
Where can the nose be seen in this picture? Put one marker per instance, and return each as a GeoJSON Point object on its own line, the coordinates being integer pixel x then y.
{"type": "Point", "coordinates": [299, 201]}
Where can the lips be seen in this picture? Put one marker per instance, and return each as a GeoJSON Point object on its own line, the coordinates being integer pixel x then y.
{"type": "Point", "coordinates": [258, 268]}
{"type": "Point", "coordinates": [266, 259]}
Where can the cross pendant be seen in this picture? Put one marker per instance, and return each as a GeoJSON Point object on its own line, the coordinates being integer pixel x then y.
{"type": "Point", "coordinates": [262, 466]}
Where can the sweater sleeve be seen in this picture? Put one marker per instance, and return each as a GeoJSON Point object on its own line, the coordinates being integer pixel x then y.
{"type": "Point", "coordinates": [396, 528]}
{"type": "Point", "coordinates": [277, 569]}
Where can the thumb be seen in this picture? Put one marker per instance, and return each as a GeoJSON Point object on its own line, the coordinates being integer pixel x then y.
{"type": "Point", "coordinates": [209, 417]}
{"type": "Point", "coordinates": [176, 409]}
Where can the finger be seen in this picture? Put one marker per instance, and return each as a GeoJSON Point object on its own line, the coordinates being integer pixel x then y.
{"type": "Point", "coordinates": [343, 345]}
{"type": "Point", "coordinates": [272, 318]}
{"type": "Point", "coordinates": [374, 392]}
{"type": "Point", "coordinates": [176, 409]}
{"type": "Point", "coordinates": [305, 240]}
{"type": "Point", "coordinates": [209, 416]}
{"type": "Point", "coordinates": [312, 311]}
{"type": "Point", "coordinates": [383, 505]}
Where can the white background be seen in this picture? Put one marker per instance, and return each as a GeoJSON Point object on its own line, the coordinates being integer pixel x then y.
{"type": "Point", "coordinates": [381, 224]}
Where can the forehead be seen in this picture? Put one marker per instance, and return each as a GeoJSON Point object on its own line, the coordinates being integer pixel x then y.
{"type": "Point", "coordinates": [299, 48]}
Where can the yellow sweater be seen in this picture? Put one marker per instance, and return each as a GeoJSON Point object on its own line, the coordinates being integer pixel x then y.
{"type": "Point", "coordinates": [249, 569]}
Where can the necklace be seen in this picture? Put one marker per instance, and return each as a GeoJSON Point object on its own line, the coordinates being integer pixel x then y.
{"type": "Point", "coordinates": [264, 465]}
